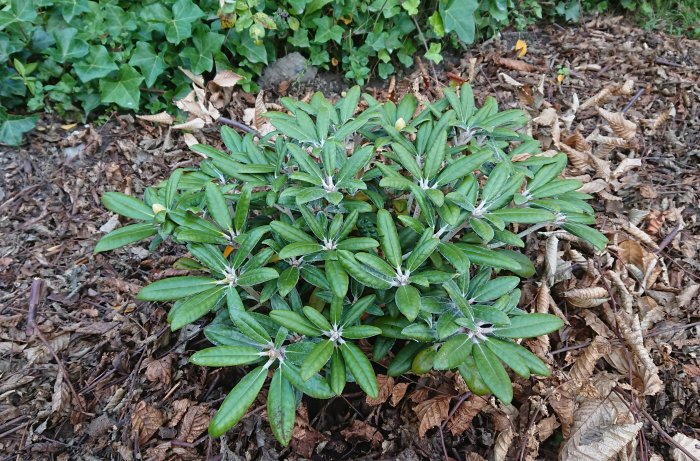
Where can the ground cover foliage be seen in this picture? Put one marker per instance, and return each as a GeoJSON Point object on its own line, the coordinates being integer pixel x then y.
{"type": "Point", "coordinates": [80, 57]}
{"type": "Point", "coordinates": [120, 385]}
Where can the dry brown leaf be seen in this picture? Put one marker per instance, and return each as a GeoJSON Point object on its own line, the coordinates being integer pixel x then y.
{"type": "Point", "coordinates": [260, 110]}
{"type": "Point", "coordinates": [515, 64]}
{"type": "Point", "coordinates": [180, 407]}
{"type": "Point", "coordinates": [631, 331]}
{"type": "Point", "coordinates": [579, 160]}
{"type": "Point", "coordinates": [305, 438]}
{"type": "Point", "coordinates": [163, 117]}
{"type": "Point", "coordinates": [194, 124]}
{"type": "Point", "coordinates": [195, 422]}
{"type": "Point", "coordinates": [594, 186]}
{"type": "Point", "coordinates": [546, 428]}
{"type": "Point", "coordinates": [475, 457]}
{"type": "Point", "coordinates": [503, 444]}
{"type": "Point", "coordinates": [578, 142]}
{"type": "Point", "coordinates": [602, 428]}
{"type": "Point", "coordinates": [158, 371]}
{"type": "Point", "coordinates": [631, 253]}
{"type": "Point", "coordinates": [227, 78]}
{"type": "Point", "coordinates": [364, 432]}
{"type": "Point", "coordinates": [462, 418]}
{"type": "Point", "coordinates": [563, 402]}
{"type": "Point", "coordinates": [386, 386]}
{"type": "Point", "coordinates": [587, 293]}
{"type": "Point", "coordinates": [509, 80]}
{"type": "Point", "coordinates": [398, 393]}
{"type": "Point", "coordinates": [547, 117]}
{"type": "Point", "coordinates": [145, 421]}
{"type": "Point", "coordinates": [196, 79]}
{"type": "Point", "coordinates": [598, 99]}
{"type": "Point", "coordinates": [419, 395]}
{"type": "Point", "coordinates": [61, 394]}
{"type": "Point", "coordinates": [586, 362]}
{"type": "Point", "coordinates": [189, 139]}
{"type": "Point", "coordinates": [640, 235]}
{"type": "Point", "coordinates": [620, 126]}
{"type": "Point", "coordinates": [432, 413]}
{"type": "Point", "coordinates": [690, 444]}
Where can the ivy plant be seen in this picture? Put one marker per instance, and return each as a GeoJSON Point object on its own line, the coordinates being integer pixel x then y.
{"type": "Point", "coordinates": [344, 238]}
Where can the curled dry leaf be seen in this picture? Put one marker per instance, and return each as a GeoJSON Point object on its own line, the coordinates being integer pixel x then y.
{"type": "Point", "coordinates": [546, 428]}
{"type": "Point", "coordinates": [194, 423]}
{"type": "Point", "coordinates": [462, 418]}
{"type": "Point", "coordinates": [162, 117]}
{"type": "Point", "coordinates": [432, 413]}
{"type": "Point", "coordinates": [145, 421]}
{"type": "Point", "coordinates": [196, 79]}
{"type": "Point", "coordinates": [363, 432]}
{"type": "Point", "coordinates": [509, 80]}
{"type": "Point", "coordinates": [158, 371]}
{"type": "Point", "coordinates": [594, 186]}
{"type": "Point", "coordinates": [189, 139]}
{"type": "Point", "coordinates": [578, 142]}
{"type": "Point", "coordinates": [386, 386]}
{"type": "Point", "coordinates": [620, 126]}
{"type": "Point", "coordinates": [194, 124]}
{"type": "Point", "coordinates": [515, 64]}
{"type": "Point", "coordinates": [551, 257]}
{"type": "Point", "coordinates": [587, 293]}
{"type": "Point", "coordinates": [547, 117]}
{"type": "Point", "coordinates": [640, 235]}
{"type": "Point", "coordinates": [602, 428]}
{"type": "Point", "coordinates": [398, 393]}
{"type": "Point", "coordinates": [579, 160]}
{"type": "Point", "coordinates": [227, 78]}
{"type": "Point", "coordinates": [598, 99]}
{"type": "Point", "coordinates": [690, 444]}
{"type": "Point", "coordinates": [585, 363]}
{"type": "Point", "coordinates": [503, 443]}
{"type": "Point", "coordinates": [631, 331]}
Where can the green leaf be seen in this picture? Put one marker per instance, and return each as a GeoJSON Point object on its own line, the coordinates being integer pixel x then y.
{"type": "Point", "coordinates": [152, 65]}
{"type": "Point", "coordinates": [296, 249]}
{"type": "Point", "coordinates": [281, 408]}
{"type": "Point", "coordinates": [257, 276]}
{"type": "Point", "coordinates": [124, 236]}
{"type": "Point", "coordinates": [98, 64]}
{"type": "Point", "coordinates": [407, 299]}
{"type": "Point", "coordinates": [361, 369]}
{"type": "Point", "coordinates": [361, 331]}
{"type": "Point", "coordinates": [453, 352]}
{"type": "Point", "coordinates": [68, 47]}
{"type": "Point", "coordinates": [218, 208]}
{"type": "Point", "coordinates": [128, 206]}
{"type": "Point", "coordinates": [590, 235]}
{"type": "Point", "coordinates": [338, 377]}
{"type": "Point", "coordinates": [226, 356]}
{"type": "Point", "coordinates": [316, 387]}
{"type": "Point", "coordinates": [493, 373]}
{"type": "Point", "coordinates": [509, 357]}
{"type": "Point", "coordinates": [421, 253]}
{"type": "Point", "coordinates": [435, 155]}
{"type": "Point", "coordinates": [433, 53]}
{"type": "Point", "coordinates": [530, 326]}
{"type": "Point", "coordinates": [291, 233]}
{"type": "Point", "coordinates": [362, 273]}
{"type": "Point", "coordinates": [389, 238]}
{"type": "Point", "coordinates": [337, 278]}
{"type": "Point", "coordinates": [485, 257]}
{"type": "Point", "coordinates": [175, 288]}
{"type": "Point", "coordinates": [179, 27]}
{"type": "Point", "coordinates": [187, 311]}
{"type": "Point", "coordinates": [288, 280]}
{"type": "Point", "coordinates": [237, 402]}
{"type": "Point", "coordinates": [317, 359]}
{"type": "Point", "coordinates": [523, 215]}
{"type": "Point", "coordinates": [458, 16]}
{"type": "Point", "coordinates": [124, 91]}
{"type": "Point", "coordinates": [326, 30]}
{"type": "Point", "coordinates": [13, 127]}
{"type": "Point", "coordinates": [295, 322]}
{"type": "Point", "coordinates": [317, 318]}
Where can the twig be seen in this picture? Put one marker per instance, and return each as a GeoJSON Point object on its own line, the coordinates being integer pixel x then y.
{"type": "Point", "coordinates": [239, 125]}
{"type": "Point", "coordinates": [442, 439]}
{"type": "Point", "coordinates": [669, 238]}
{"type": "Point", "coordinates": [633, 100]}
{"type": "Point", "coordinates": [664, 62]}
{"type": "Point", "coordinates": [459, 403]}
{"type": "Point", "coordinates": [34, 298]}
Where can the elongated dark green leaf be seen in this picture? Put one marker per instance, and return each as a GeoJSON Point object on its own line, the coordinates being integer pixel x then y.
{"type": "Point", "coordinates": [281, 408]}
{"type": "Point", "coordinates": [420, 253]}
{"type": "Point", "coordinates": [357, 309]}
{"type": "Point", "coordinates": [357, 244]}
{"type": "Point", "coordinates": [175, 288]}
{"type": "Point", "coordinates": [337, 278]}
{"type": "Point", "coordinates": [257, 276]}
{"type": "Point", "coordinates": [454, 256]}
{"type": "Point", "coordinates": [291, 233]}
{"type": "Point", "coordinates": [125, 235]}
{"type": "Point", "coordinates": [376, 265]}
{"type": "Point", "coordinates": [237, 402]}
{"type": "Point", "coordinates": [288, 280]}
{"type": "Point", "coordinates": [495, 288]}
{"type": "Point", "coordinates": [485, 257]}
{"type": "Point", "coordinates": [389, 238]}
{"type": "Point", "coordinates": [361, 369]}
{"type": "Point", "coordinates": [402, 361]}
{"type": "Point", "coordinates": [317, 318]}
{"type": "Point", "coordinates": [186, 312]}
{"type": "Point", "coordinates": [338, 376]}
{"type": "Point", "coordinates": [305, 162]}
{"type": "Point", "coordinates": [592, 236]}
{"type": "Point", "coordinates": [218, 208]}
{"type": "Point", "coordinates": [360, 273]}
{"type": "Point", "coordinates": [296, 249]}
{"type": "Point", "coordinates": [523, 215]}
{"type": "Point", "coordinates": [472, 377]}
{"type": "Point", "coordinates": [361, 331]}
{"type": "Point", "coordinates": [241, 213]}
{"type": "Point", "coordinates": [407, 299]}
{"type": "Point", "coordinates": [226, 356]}
{"type": "Point", "coordinates": [251, 327]}
{"type": "Point", "coordinates": [453, 352]}
{"type": "Point", "coordinates": [509, 357]}
{"type": "Point", "coordinates": [128, 206]}
{"type": "Point", "coordinates": [315, 387]}
{"type": "Point", "coordinates": [435, 155]}
{"type": "Point", "coordinates": [317, 359]}
{"type": "Point", "coordinates": [295, 322]}
{"type": "Point", "coordinates": [491, 315]}
{"type": "Point", "coordinates": [530, 326]}
{"type": "Point", "coordinates": [210, 256]}
{"type": "Point", "coordinates": [482, 229]}
{"type": "Point", "coordinates": [493, 373]}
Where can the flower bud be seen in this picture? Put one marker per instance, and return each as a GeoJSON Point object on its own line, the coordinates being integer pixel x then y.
{"type": "Point", "coordinates": [400, 124]}
{"type": "Point", "coordinates": [157, 208]}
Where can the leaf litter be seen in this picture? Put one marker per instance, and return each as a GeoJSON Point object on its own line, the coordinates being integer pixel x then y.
{"type": "Point", "coordinates": [110, 381]}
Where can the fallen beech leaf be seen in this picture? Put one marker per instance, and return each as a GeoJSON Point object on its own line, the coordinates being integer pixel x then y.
{"type": "Point", "coordinates": [386, 386]}
{"type": "Point", "coordinates": [364, 432]}
{"type": "Point", "coordinates": [432, 413]}
{"type": "Point", "coordinates": [503, 444]}
{"type": "Point", "coordinates": [145, 421]}
{"type": "Point", "coordinates": [514, 64]}
{"type": "Point", "coordinates": [690, 444]}
{"type": "Point", "coordinates": [194, 124]}
{"type": "Point", "coordinates": [162, 117]}
{"type": "Point", "coordinates": [585, 363]}
{"type": "Point", "coordinates": [632, 253]}
{"type": "Point", "coordinates": [398, 393]}
{"type": "Point", "coordinates": [227, 78]}
{"type": "Point", "coordinates": [462, 418]}
{"type": "Point", "coordinates": [195, 422]}
{"type": "Point", "coordinates": [620, 126]}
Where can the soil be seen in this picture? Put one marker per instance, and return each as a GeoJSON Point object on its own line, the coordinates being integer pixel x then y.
{"type": "Point", "coordinates": [88, 372]}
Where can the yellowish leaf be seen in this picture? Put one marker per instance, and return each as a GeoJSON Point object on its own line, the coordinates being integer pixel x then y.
{"type": "Point", "coordinates": [521, 48]}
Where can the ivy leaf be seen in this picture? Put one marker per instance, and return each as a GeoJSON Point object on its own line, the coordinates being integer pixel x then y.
{"type": "Point", "coordinates": [124, 91]}
{"type": "Point", "coordinates": [20, 11]}
{"type": "Point", "coordinates": [253, 52]}
{"type": "Point", "coordinates": [325, 31]}
{"type": "Point", "coordinates": [68, 47]}
{"type": "Point", "coordinates": [433, 53]}
{"type": "Point", "coordinates": [98, 64]}
{"type": "Point", "coordinates": [411, 6]}
{"type": "Point", "coordinates": [458, 16]}
{"type": "Point", "coordinates": [179, 27]}
{"type": "Point", "coordinates": [13, 127]}
{"type": "Point", "coordinates": [150, 63]}
{"type": "Point", "coordinates": [72, 8]}
{"type": "Point", "coordinates": [201, 56]}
